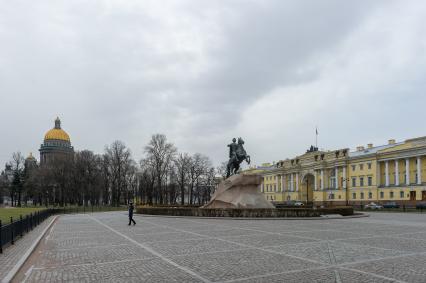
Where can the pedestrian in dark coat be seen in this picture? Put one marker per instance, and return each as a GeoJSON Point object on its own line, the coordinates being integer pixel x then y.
{"type": "Point", "coordinates": [131, 208]}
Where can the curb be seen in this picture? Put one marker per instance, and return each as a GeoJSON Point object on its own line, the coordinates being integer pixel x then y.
{"type": "Point", "coordinates": [27, 254]}
{"type": "Point", "coordinates": [259, 218]}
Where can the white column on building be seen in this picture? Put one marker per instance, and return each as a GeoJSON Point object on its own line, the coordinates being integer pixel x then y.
{"type": "Point", "coordinates": [282, 183]}
{"type": "Point", "coordinates": [288, 182]}
{"type": "Point", "coordinates": [407, 171]}
{"type": "Point", "coordinates": [262, 189]}
{"type": "Point", "coordinates": [419, 170]}
{"type": "Point", "coordinates": [387, 173]}
{"type": "Point", "coordinates": [322, 179]}
{"type": "Point", "coordinates": [336, 178]}
{"type": "Point", "coordinates": [292, 182]}
{"type": "Point", "coordinates": [396, 172]}
{"type": "Point", "coordinates": [276, 183]}
{"type": "Point", "coordinates": [297, 182]}
{"type": "Point", "coordinates": [344, 177]}
{"type": "Point", "coordinates": [315, 181]}
{"type": "Point", "coordinates": [378, 176]}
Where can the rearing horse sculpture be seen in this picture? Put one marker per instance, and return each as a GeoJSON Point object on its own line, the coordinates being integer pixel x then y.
{"type": "Point", "coordinates": [237, 155]}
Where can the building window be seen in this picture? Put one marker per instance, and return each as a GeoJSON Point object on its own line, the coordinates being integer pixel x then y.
{"type": "Point", "coordinates": [354, 195]}
{"type": "Point", "coordinates": [370, 195]}
{"type": "Point", "coordinates": [362, 195]}
{"type": "Point", "coordinates": [361, 181]}
{"type": "Point", "coordinates": [401, 194]}
{"type": "Point", "coordinates": [353, 167]}
{"type": "Point", "coordinates": [391, 195]}
{"type": "Point", "coordinates": [370, 181]}
{"type": "Point", "coordinates": [369, 165]}
{"type": "Point", "coordinates": [353, 182]}
{"type": "Point", "coordinates": [333, 182]}
{"type": "Point", "coordinates": [382, 195]}
{"type": "Point", "coordinates": [361, 167]}
{"type": "Point", "coordinates": [331, 196]}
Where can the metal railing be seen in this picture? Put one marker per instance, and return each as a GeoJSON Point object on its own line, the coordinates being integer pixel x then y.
{"type": "Point", "coordinates": [17, 228]}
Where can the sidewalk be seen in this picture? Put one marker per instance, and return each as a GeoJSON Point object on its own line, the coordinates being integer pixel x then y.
{"type": "Point", "coordinates": [12, 254]}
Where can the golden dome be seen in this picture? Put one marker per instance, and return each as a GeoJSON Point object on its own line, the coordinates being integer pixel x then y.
{"type": "Point", "coordinates": [57, 133]}
{"type": "Point", "coordinates": [31, 157]}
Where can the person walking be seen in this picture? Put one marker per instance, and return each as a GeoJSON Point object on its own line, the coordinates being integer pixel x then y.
{"type": "Point", "coordinates": [131, 208]}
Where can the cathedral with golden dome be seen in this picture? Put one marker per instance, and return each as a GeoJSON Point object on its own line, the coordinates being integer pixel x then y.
{"type": "Point", "coordinates": [57, 144]}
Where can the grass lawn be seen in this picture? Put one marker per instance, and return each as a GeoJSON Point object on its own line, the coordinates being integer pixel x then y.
{"type": "Point", "coordinates": [6, 213]}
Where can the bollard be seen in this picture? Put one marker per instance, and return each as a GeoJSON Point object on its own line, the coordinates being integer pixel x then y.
{"type": "Point", "coordinates": [1, 241]}
{"type": "Point", "coordinates": [11, 231]}
{"type": "Point", "coordinates": [21, 224]}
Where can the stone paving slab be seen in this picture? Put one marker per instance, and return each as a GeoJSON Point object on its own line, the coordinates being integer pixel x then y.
{"type": "Point", "coordinates": [268, 240]}
{"type": "Point", "coordinates": [391, 243]}
{"type": "Point", "coordinates": [334, 252]}
{"type": "Point", "coordinates": [101, 247]}
{"type": "Point", "coordinates": [98, 254]}
{"type": "Point", "coordinates": [151, 270]}
{"type": "Point", "coordinates": [13, 253]}
{"type": "Point", "coordinates": [409, 269]}
{"type": "Point", "coordinates": [192, 247]}
{"type": "Point", "coordinates": [232, 265]}
{"type": "Point", "coordinates": [317, 276]}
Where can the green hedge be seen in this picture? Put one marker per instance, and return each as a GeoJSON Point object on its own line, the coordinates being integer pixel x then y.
{"type": "Point", "coordinates": [252, 213]}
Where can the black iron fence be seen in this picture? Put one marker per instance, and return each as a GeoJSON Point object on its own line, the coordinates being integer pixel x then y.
{"type": "Point", "coordinates": [17, 228]}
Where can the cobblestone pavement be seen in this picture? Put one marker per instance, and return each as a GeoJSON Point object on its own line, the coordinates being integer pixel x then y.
{"type": "Point", "coordinates": [13, 253]}
{"type": "Point", "coordinates": [102, 247]}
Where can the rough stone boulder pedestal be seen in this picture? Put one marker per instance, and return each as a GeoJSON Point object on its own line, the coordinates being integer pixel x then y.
{"type": "Point", "coordinates": [239, 191]}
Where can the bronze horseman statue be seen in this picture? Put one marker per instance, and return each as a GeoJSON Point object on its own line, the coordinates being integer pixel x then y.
{"type": "Point", "coordinates": [237, 154]}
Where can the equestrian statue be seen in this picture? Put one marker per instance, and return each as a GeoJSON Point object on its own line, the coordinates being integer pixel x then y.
{"type": "Point", "coordinates": [237, 154]}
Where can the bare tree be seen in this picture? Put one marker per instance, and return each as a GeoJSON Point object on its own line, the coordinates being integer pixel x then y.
{"type": "Point", "coordinates": [182, 164]}
{"type": "Point", "coordinates": [221, 170]}
{"type": "Point", "coordinates": [119, 160]}
{"type": "Point", "coordinates": [17, 163]}
{"type": "Point", "coordinates": [160, 155]}
{"type": "Point", "coordinates": [199, 166]}
{"type": "Point", "coordinates": [146, 182]}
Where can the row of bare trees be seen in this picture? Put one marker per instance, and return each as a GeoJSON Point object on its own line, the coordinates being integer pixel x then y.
{"type": "Point", "coordinates": [163, 176]}
{"type": "Point", "coordinates": [169, 177]}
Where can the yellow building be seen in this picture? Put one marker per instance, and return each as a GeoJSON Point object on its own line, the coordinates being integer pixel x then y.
{"type": "Point", "coordinates": [391, 172]}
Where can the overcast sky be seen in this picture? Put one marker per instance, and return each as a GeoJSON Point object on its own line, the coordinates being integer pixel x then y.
{"type": "Point", "coordinates": [203, 72]}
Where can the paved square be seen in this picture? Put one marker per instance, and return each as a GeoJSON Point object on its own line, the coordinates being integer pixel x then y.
{"type": "Point", "coordinates": [102, 247]}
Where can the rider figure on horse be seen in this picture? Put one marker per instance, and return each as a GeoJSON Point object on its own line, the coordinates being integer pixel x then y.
{"type": "Point", "coordinates": [233, 150]}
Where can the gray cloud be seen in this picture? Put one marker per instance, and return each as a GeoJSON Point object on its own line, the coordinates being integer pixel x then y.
{"type": "Point", "coordinates": [204, 71]}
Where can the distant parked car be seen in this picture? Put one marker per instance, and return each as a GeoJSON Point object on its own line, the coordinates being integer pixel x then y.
{"type": "Point", "coordinates": [391, 204]}
{"type": "Point", "coordinates": [421, 205]}
{"type": "Point", "coordinates": [298, 203]}
{"type": "Point", "coordinates": [373, 206]}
